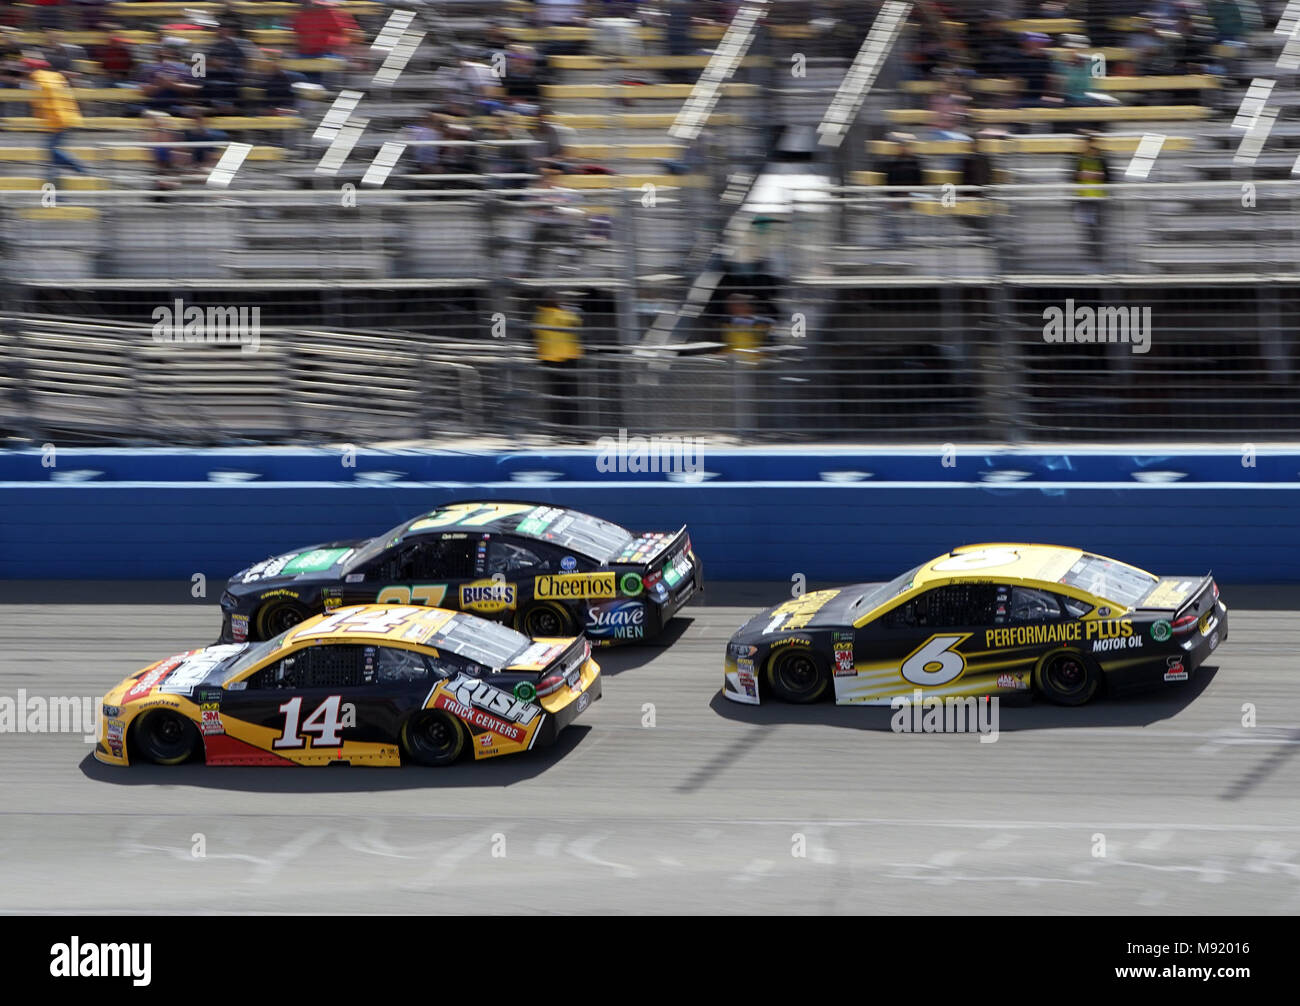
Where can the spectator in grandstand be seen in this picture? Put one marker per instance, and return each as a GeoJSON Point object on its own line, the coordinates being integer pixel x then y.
{"type": "Point", "coordinates": [49, 13]}
{"type": "Point", "coordinates": [426, 156]}
{"type": "Point", "coordinates": [902, 169]}
{"type": "Point", "coordinates": [1229, 20]}
{"type": "Point", "coordinates": [167, 85]}
{"type": "Point", "coordinates": [197, 130]}
{"type": "Point", "coordinates": [1092, 174]}
{"type": "Point", "coordinates": [551, 139]}
{"type": "Point", "coordinates": [557, 217]}
{"type": "Point", "coordinates": [1074, 72]}
{"type": "Point", "coordinates": [744, 331]}
{"type": "Point", "coordinates": [56, 110]}
{"type": "Point", "coordinates": [321, 29]}
{"type": "Point", "coordinates": [114, 55]}
{"type": "Point", "coordinates": [233, 48]}
{"type": "Point", "coordinates": [502, 154]}
{"type": "Point", "coordinates": [522, 64]}
{"type": "Point", "coordinates": [1034, 68]}
{"type": "Point", "coordinates": [677, 38]}
{"type": "Point", "coordinates": [557, 332]}
{"type": "Point", "coordinates": [275, 84]}
{"type": "Point", "coordinates": [65, 57]}
{"type": "Point", "coordinates": [220, 86]}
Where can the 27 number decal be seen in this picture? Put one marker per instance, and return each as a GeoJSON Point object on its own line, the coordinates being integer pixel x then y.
{"type": "Point", "coordinates": [428, 594]}
{"type": "Point", "coordinates": [935, 662]}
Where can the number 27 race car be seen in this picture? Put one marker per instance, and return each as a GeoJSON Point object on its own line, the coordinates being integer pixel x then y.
{"type": "Point", "coordinates": [371, 685]}
{"type": "Point", "coordinates": [546, 570]}
{"type": "Point", "coordinates": [982, 620]}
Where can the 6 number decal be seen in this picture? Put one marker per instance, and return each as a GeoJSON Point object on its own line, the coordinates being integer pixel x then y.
{"type": "Point", "coordinates": [935, 662]}
{"type": "Point", "coordinates": [980, 559]}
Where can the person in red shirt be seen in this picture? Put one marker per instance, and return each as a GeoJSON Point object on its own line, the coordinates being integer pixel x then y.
{"type": "Point", "coordinates": [323, 30]}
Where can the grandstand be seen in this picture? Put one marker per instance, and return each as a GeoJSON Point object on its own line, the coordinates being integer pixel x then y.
{"type": "Point", "coordinates": [523, 149]}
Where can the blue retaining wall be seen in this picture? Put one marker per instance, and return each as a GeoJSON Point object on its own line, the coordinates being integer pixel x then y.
{"type": "Point", "coordinates": [830, 514]}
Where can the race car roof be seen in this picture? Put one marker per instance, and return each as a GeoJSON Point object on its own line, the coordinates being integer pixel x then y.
{"type": "Point", "coordinates": [453, 631]}
{"type": "Point", "coordinates": [1011, 561]}
{"type": "Point", "coordinates": [571, 529]}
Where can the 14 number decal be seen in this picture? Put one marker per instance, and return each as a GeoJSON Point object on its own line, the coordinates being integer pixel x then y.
{"type": "Point", "coordinates": [325, 722]}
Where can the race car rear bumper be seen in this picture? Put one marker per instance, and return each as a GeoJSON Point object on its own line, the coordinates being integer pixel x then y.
{"type": "Point", "coordinates": [1178, 664]}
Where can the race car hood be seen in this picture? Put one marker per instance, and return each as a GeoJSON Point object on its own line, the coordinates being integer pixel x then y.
{"type": "Point", "coordinates": [177, 675]}
{"type": "Point", "coordinates": [820, 609]}
{"type": "Point", "coordinates": [319, 562]}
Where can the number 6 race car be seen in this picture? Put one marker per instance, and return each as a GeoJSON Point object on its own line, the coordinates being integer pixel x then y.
{"type": "Point", "coordinates": [371, 685]}
{"type": "Point", "coordinates": [982, 620]}
{"type": "Point", "coordinates": [545, 570]}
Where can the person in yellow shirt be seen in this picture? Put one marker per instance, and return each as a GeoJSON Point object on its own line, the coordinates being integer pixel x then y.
{"type": "Point", "coordinates": [744, 331]}
{"type": "Point", "coordinates": [557, 329]}
{"type": "Point", "coordinates": [56, 109]}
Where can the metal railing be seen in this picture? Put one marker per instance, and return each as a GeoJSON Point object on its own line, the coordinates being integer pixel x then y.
{"type": "Point", "coordinates": [884, 315]}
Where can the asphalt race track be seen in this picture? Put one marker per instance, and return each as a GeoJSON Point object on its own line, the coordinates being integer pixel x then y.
{"type": "Point", "coordinates": [700, 812]}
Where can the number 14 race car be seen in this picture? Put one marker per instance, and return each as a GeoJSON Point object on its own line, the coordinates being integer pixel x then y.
{"type": "Point", "coordinates": [546, 570]}
{"type": "Point", "coordinates": [371, 685]}
{"type": "Point", "coordinates": [982, 620]}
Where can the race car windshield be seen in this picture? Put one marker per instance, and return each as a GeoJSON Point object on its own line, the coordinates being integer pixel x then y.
{"type": "Point", "coordinates": [253, 652]}
{"type": "Point", "coordinates": [1109, 579]}
{"type": "Point", "coordinates": [483, 642]}
{"type": "Point", "coordinates": [376, 545]}
{"type": "Point", "coordinates": [879, 595]}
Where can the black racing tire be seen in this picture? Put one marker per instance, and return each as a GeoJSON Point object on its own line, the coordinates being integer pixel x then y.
{"type": "Point", "coordinates": [275, 617]}
{"type": "Point", "coordinates": [797, 674]}
{"type": "Point", "coordinates": [546, 618]}
{"type": "Point", "coordinates": [1067, 678]}
{"type": "Point", "coordinates": [433, 738]}
{"type": "Point", "coordinates": [164, 737]}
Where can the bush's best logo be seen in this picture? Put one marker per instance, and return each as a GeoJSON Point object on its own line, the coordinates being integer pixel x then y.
{"type": "Point", "coordinates": [488, 595]}
{"type": "Point", "coordinates": [575, 586]}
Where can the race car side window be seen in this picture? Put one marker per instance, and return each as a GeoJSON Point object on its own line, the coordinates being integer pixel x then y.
{"type": "Point", "coordinates": [1075, 607]}
{"type": "Point", "coordinates": [511, 557]}
{"type": "Point", "coordinates": [397, 666]}
{"type": "Point", "coordinates": [957, 604]}
{"type": "Point", "coordinates": [1029, 605]}
{"type": "Point", "coordinates": [323, 666]}
{"type": "Point", "coordinates": [432, 557]}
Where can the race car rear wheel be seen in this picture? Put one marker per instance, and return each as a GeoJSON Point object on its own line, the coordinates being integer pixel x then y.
{"type": "Point", "coordinates": [164, 737]}
{"type": "Point", "coordinates": [545, 619]}
{"type": "Point", "coordinates": [276, 617]}
{"type": "Point", "coordinates": [1067, 678]}
{"type": "Point", "coordinates": [796, 674]}
{"type": "Point", "coordinates": [433, 737]}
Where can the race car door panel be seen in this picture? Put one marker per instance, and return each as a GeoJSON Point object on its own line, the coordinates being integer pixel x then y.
{"type": "Point", "coordinates": [329, 701]}
{"type": "Point", "coordinates": [924, 643]}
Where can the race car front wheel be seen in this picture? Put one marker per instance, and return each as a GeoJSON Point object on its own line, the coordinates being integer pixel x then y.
{"type": "Point", "coordinates": [796, 674]}
{"type": "Point", "coordinates": [276, 617]}
{"type": "Point", "coordinates": [433, 738]}
{"type": "Point", "coordinates": [1067, 678]}
{"type": "Point", "coordinates": [545, 619]}
{"type": "Point", "coordinates": [165, 738]}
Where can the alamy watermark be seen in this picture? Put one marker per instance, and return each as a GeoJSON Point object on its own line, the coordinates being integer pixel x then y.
{"type": "Point", "coordinates": [934, 714]}
{"type": "Point", "coordinates": [211, 326]}
{"type": "Point", "coordinates": [669, 455]}
{"type": "Point", "coordinates": [1130, 325]}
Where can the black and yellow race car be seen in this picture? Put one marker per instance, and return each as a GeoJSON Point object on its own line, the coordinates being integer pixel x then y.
{"type": "Point", "coordinates": [545, 570]}
{"type": "Point", "coordinates": [370, 685]}
{"type": "Point", "coordinates": [982, 620]}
